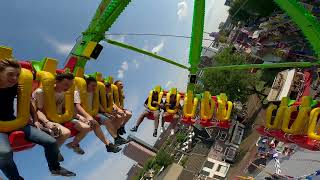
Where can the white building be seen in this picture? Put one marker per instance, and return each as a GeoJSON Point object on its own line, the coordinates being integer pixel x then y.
{"type": "Point", "coordinates": [215, 169]}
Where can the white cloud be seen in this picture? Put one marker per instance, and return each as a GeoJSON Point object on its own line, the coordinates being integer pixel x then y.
{"type": "Point", "coordinates": [119, 38]}
{"type": "Point", "coordinates": [124, 67]}
{"type": "Point", "coordinates": [168, 84]}
{"type": "Point", "coordinates": [136, 63]}
{"type": "Point", "coordinates": [120, 74]}
{"type": "Point", "coordinates": [182, 9]}
{"type": "Point", "coordinates": [61, 47]}
{"type": "Point", "coordinates": [158, 48]}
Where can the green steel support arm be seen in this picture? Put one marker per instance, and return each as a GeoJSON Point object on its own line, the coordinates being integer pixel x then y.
{"type": "Point", "coordinates": [106, 14]}
{"type": "Point", "coordinates": [126, 46]}
{"type": "Point", "coordinates": [264, 66]}
{"type": "Point", "coordinates": [196, 38]}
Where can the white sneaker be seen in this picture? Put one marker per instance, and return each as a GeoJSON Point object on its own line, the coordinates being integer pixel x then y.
{"type": "Point", "coordinates": [172, 132]}
{"type": "Point", "coordinates": [161, 130]}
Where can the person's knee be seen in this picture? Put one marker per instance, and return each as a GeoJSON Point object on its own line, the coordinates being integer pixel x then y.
{"type": "Point", "coordinates": [95, 124]}
{"type": "Point", "coordinates": [129, 114]}
{"type": "Point", "coordinates": [85, 129]}
{"type": "Point", "coordinates": [65, 134]}
{"type": "Point", "coordinates": [156, 114]}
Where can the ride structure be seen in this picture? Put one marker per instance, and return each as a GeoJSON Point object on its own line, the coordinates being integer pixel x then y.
{"type": "Point", "coordinates": [87, 47]}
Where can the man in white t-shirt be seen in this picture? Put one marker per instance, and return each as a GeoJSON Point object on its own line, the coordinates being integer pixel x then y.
{"type": "Point", "coordinates": [63, 83]}
{"type": "Point", "coordinates": [85, 117]}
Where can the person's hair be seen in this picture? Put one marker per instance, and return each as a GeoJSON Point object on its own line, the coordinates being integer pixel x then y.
{"type": "Point", "coordinates": [107, 84]}
{"type": "Point", "coordinates": [4, 63]}
{"type": "Point", "coordinates": [173, 98]}
{"type": "Point", "coordinates": [117, 81]}
{"type": "Point", "coordinates": [90, 80]}
{"type": "Point", "coordinates": [155, 95]}
{"type": "Point", "coordinates": [62, 76]}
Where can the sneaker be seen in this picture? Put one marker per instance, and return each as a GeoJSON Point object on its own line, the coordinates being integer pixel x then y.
{"type": "Point", "coordinates": [62, 172]}
{"type": "Point", "coordinates": [77, 149]}
{"type": "Point", "coordinates": [161, 130]}
{"type": "Point", "coordinates": [60, 157]}
{"type": "Point", "coordinates": [123, 130]}
{"type": "Point", "coordinates": [155, 133]}
{"type": "Point", "coordinates": [119, 132]}
{"type": "Point", "coordinates": [134, 129]}
{"type": "Point", "coordinates": [118, 141]}
{"type": "Point", "coordinates": [172, 132]}
{"type": "Point", "coordinates": [112, 148]}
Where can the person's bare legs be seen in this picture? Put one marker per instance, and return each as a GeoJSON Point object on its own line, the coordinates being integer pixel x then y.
{"type": "Point", "coordinates": [112, 127]}
{"type": "Point", "coordinates": [83, 131]}
{"type": "Point", "coordinates": [65, 134]}
{"type": "Point", "coordinates": [127, 116]}
{"type": "Point", "coordinates": [141, 118]}
{"type": "Point", "coordinates": [99, 133]}
{"type": "Point", "coordinates": [156, 115]}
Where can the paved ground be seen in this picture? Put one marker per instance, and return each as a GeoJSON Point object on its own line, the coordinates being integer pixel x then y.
{"type": "Point", "coordinates": [248, 145]}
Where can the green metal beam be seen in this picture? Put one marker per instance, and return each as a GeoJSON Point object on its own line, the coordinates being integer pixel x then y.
{"type": "Point", "coordinates": [99, 12]}
{"type": "Point", "coordinates": [126, 46]}
{"type": "Point", "coordinates": [196, 35]}
{"type": "Point", "coordinates": [106, 14]}
{"type": "Point", "coordinates": [264, 66]}
{"type": "Point", "coordinates": [196, 40]}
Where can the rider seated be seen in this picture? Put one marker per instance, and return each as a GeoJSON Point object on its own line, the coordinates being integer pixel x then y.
{"type": "Point", "coordinates": [172, 104]}
{"type": "Point", "coordinates": [63, 83]}
{"type": "Point", "coordinates": [147, 112]}
{"type": "Point", "coordinates": [9, 74]}
{"type": "Point", "coordinates": [125, 114]}
{"type": "Point", "coordinates": [111, 121]}
{"type": "Point", "coordinates": [86, 118]}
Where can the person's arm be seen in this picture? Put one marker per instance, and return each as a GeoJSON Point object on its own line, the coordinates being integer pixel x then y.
{"type": "Point", "coordinates": [39, 106]}
{"type": "Point", "coordinates": [79, 108]}
{"type": "Point", "coordinates": [34, 115]}
{"type": "Point", "coordinates": [82, 112]}
{"type": "Point", "coordinates": [117, 109]}
{"type": "Point", "coordinates": [33, 112]}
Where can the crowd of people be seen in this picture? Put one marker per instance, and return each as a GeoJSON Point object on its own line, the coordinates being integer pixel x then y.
{"type": "Point", "coordinates": [45, 131]}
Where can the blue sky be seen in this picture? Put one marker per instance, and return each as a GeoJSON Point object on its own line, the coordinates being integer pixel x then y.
{"type": "Point", "coordinates": [42, 28]}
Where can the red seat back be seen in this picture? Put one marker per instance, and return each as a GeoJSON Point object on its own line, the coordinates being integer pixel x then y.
{"type": "Point", "coordinates": [70, 126]}
{"type": "Point", "coordinates": [168, 118]}
{"type": "Point", "coordinates": [26, 65]}
{"type": "Point", "coordinates": [188, 120]}
{"type": "Point", "coordinates": [18, 142]}
{"type": "Point", "coordinates": [150, 116]}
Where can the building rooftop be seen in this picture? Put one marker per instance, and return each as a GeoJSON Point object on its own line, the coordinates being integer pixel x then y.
{"type": "Point", "coordinates": [187, 175]}
{"type": "Point", "coordinates": [171, 173]}
{"type": "Point", "coordinates": [142, 143]}
{"type": "Point", "coordinates": [134, 171]}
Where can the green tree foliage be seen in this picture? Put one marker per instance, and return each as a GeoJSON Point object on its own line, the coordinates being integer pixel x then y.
{"type": "Point", "coordinates": [236, 84]}
{"type": "Point", "coordinates": [163, 158]}
{"type": "Point", "coordinates": [242, 10]}
{"type": "Point", "coordinates": [181, 137]}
